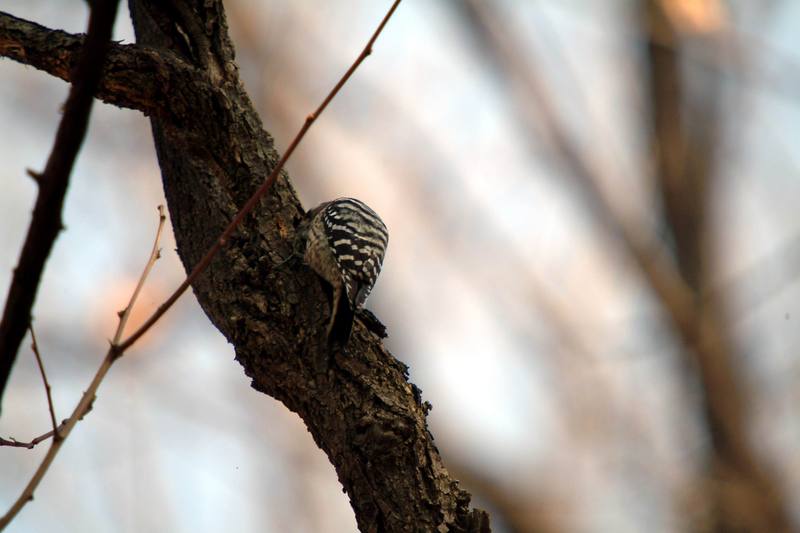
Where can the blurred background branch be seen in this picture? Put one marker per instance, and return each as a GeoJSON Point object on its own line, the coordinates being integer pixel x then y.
{"type": "Point", "coordinates": [686, 140]}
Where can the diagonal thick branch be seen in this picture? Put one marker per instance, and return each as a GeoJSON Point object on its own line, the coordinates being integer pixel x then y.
{"type": "Point", "coordinates": [359, 408]}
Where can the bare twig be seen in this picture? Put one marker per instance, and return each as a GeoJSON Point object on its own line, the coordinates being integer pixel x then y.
{"type": "Point", "coordinates": [260, 192]}
{"type": "Point", "coordinates": [155, 253]}
{"type": "Point", "coordinates": [12, 442]}
{"type": "Point", "coordinates": [85, 403]}
{"type": "Point", "coordinates": [35, 348]}
{"type": "Point", "coordinates": [46, 222]}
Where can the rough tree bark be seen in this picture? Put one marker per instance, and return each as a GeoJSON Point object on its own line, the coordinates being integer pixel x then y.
{"type": "Point", "coordinates": [213, 153]}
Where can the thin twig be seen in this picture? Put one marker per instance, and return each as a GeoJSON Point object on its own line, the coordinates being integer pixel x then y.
{"type": "Point", "coordinates": [124, 315]}
{"type": "Point", "coordinates": [46, 221]}
{"type": "Point", "coordinates": [259, 194]}
{"type": "Point", "coordinates": [35, 348]}
{"type": "Point", "coordinates": [12, 442]}
{"type": "Point", "coordinates": [85, 403]}
{"type": "Point", "coordinates": [155, 253]}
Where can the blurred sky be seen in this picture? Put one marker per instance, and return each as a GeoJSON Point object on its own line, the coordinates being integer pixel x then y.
{"type": "Point", "coordinates": [581, 417]}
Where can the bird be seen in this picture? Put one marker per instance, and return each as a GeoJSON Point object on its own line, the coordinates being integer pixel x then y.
{"type": "Point", "coordinates": [345, 242]}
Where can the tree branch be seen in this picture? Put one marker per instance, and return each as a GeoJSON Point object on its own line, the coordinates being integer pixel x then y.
{"type": "Point", "coordinates": [61, 433]}
{"type": "Point", "coordinates": [213, 154]}
{"type": "Point", "coordinates": [683, 195]}
{"type": "Point", "coordinates": [700, 328]}
{"type": "Point", "coordinates": [685, 135]}
{"type": "Point", "coordinates": [253, 201]}
{"type": "Point", "coordinates": [359, 408]}
{"type": "Point", "coordinates": [134, 77]}
{"type": "Point", "coordinates": [46, 221]}
{"type": "Point", "coordinates": [14, 443]}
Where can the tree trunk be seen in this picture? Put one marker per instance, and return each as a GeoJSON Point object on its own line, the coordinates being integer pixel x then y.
{"type": "Point", "coordinates": [359, 407]}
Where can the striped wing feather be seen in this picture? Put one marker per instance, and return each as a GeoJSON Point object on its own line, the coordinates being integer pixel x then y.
{"type": "Point", "coordinates": [359, 238]}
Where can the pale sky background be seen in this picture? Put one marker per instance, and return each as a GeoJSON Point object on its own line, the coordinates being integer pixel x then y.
{"type": "Point", "coordinates": [481, 219]}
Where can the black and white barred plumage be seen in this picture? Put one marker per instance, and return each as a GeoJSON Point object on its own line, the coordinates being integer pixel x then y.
{"type": "Point", "coordinates": [345, 245]}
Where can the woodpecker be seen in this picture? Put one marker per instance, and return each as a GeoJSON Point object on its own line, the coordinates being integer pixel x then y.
{"type": "Point", "coordinates": [345, 245]}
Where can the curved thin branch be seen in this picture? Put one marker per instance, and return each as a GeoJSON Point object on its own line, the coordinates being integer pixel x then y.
{"type": "Point", "coordinates": [87, 399]}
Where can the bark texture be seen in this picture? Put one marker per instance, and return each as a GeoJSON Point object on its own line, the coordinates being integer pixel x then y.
{"type": "Point", "coordinates": [213, 152]}
{"type": "Point", "coordinates": [359, 408]}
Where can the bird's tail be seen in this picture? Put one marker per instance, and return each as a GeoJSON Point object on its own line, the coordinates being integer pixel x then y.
{"type": "Point", "coordinates": [342, 324]}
